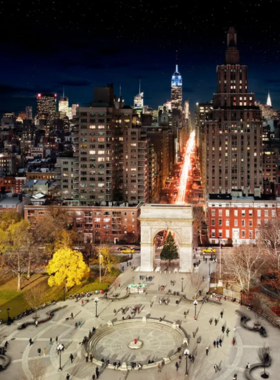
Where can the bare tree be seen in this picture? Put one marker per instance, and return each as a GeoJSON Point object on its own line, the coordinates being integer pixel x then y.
{"type": "Point", "coordinates": [197, 282]}
{"type": "Point", "coordinates": [244, 264]}
{"type": "Point", "coordinates": [264, 356]}
{"type": "Point", "coordinates": [34, 296]}
{"type": "Point", "coordinates": [269, 239]}
{"type": "Point", "coordinates": [257, 306]}
{"type": "Point", "coordinates": [199, 218]}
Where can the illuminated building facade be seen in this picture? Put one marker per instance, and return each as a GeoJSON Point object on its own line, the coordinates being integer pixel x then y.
{"type": "Point", "coordinates": [63, 106]}
{"type": "Point", "coordinates": [176, 90]}
{"type": "Point", "coordinates": [233, 129]}
{"type": "Point", "coordinates": [46, 105]}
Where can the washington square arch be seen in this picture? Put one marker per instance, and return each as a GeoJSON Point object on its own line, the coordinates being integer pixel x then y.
{"type": "Point", "coordinates": [177, 219]}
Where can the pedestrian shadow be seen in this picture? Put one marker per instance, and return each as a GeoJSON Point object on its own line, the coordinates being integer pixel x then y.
{"type": "Point", "coordinates": [199, 339]}
{"type": "Point", "coordinates": [220, 365]}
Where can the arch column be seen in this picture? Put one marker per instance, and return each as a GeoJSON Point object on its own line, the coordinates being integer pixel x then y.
{"type": "Point", "coordinates": [176, 218]}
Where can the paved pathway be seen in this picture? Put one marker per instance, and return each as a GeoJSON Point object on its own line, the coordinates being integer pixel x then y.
{"type": "Point", "coordinates": [231, 359]}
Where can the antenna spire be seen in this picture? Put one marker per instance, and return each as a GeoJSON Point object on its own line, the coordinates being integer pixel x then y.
{"type": "Point", "coordinates": [63, 91]}
{"type": "Point", "coordinates": [139, 86]}
{"type": "Point", "coordinates": [120, 90]}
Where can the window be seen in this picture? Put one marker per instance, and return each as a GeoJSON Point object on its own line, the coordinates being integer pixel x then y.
{"type": "Point", "coordinates": [243, 212]}
{"type": "Point", "coordinates": [259, 213]}
{"type": "Point", "coordinates": [97, 219]}
{"type": "Point", "coordinates": [227, 222]}
{"type": "Point", "coordinates": [273, 213]}
{"type": "Point", "coordinates": [250, 223]}
{"type": "Point", "coordinates": [227, 212]}
{"type": "Point", "coordinates": [235, 223]}
{"type": "Point", "coordinates": [106, 226]}
{"type": "Point", "coordinates": [251, 234]}
{"type": "Point", "coordinates": [213, 222]}
{"type": "Point", "coordinates": [220, 222]}
{"type": "Point", "coordinates": [266, 213]}
{"type": "Point", "coordinates": [213, 233]}
{"type": "Point", "coordinates": [220, 233]}
{"type": "Point", "coordinates": [220, 212]}
{"type": "Point", "coordinates": [259, 222]}
{"type": "Point", "coordinates": [97, 225]}
{"type": "Point", "coordinates": [250, 212]}
{"type": "Point", "coordinates": [243, 234]}
{"type": "Point", "coordinates": [235, 212]}
{"type": "Point", "coordinates": [243, 222]}
{"type": "Point", "coordinates": [213, 212]}
{"type": "Point", "coordinates": [227, 233]}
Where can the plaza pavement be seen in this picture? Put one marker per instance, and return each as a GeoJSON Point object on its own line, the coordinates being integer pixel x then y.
{"type": "Point", "coordinates": [231, 359]}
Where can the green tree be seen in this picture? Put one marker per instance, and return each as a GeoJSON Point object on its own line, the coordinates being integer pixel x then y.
{"type": "Point", "coordinates": [67, 267]}
{"type": "Point", "coordinates": [169, 251]}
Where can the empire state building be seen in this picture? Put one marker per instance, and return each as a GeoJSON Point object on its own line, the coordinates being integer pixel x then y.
{"type": "Point", "coordinates": [176, 90]}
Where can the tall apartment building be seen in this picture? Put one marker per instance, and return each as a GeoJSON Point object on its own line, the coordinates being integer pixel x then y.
{"type": "Point", "coordinates": [65, 175]}
{"type": "Point", "coordinates": [46, 105]}
{"type": "Point", "coordinates": [63, 106]}
{"type": "Point", "coordinates": [112, 152]}
{"type": "Point", "coordinates": [233, 131]}
{"type": "Point", "coordinates": [176, 90]}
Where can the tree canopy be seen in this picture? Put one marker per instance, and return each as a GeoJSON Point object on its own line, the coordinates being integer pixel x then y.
{"type": "Point", "coordinates": [107, 259]}
{"type": "Point", "coordinates": [169, 251]}
{"type": "Point", "coordinates": [67, 267]}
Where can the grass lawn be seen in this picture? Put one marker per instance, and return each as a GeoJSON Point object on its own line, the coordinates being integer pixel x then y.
{"type": "Point", "coordinates": [16, 302]}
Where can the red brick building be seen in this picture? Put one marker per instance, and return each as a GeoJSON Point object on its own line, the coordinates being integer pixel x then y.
{"type": "Point", "coordinates": [97, 223]}
{"type": "Point", "coordinates": [236, 218]}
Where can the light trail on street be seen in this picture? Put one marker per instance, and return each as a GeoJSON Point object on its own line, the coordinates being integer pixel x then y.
{"type": "Point", "coordinates": [190, 145]}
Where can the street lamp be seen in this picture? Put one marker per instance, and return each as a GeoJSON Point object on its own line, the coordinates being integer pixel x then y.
{"type": "Point", "coordinates": [8, 311]}
{"type": "Point", "coordinates": [195, 304]}
{"type": "Point", "coordinates": [100, 267]}
{"type": "Point", "coordinates": [133, 279]}
{"type": "Point", "coordinates": [186, 353]}
{"type": "Point", "coordinates": [96, 302]}
{"type": "Point", "coordinates": [60, 348]}
{"type": "Point", "coordinates": [182, 283]}
{"type": "Point", "coordinates": [241, 291]}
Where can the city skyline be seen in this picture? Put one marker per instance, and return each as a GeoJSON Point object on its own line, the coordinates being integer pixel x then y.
{"type": "Point", "coordinates": [52, 46]}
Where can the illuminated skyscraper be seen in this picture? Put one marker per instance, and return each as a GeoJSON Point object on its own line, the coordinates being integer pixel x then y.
{"type": "Point", "coordinates": [268, 102]}
{"type": "Point", "coordinates": [176, 90]}
{"type": "Point", "coordinates": [63, 106]}
{"type": "Point", "coordinates": [46, 105]}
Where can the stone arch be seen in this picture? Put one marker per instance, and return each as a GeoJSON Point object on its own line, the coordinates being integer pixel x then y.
{"type": "Point", "coordinates": [157, 217]}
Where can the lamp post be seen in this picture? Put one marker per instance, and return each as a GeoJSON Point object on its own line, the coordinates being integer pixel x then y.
{"type": "Point", "coordinates": [8, 311]}
{"type": "Point", "coordinates": [100, 267]}
{"type": "Point", "coordinates": [186, 353]}
{"type": "Point", "coordinates": [96, 302]}
{"type": "Point", "coordinates": [133, 279]}
{"type": "Point", "coordinates": [241, 291]}
{"type": "Point", "coordinates": [195, 304]}
{"type": "Point", "coordinates": [209, 268]}
{"type": "Point", "coordinates": [60, 349]}
{"type": "Point", "coordinates": [182, 285]}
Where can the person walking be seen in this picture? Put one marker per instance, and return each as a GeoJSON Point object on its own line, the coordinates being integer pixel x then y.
{"type": "Point", "coordinates": [248, 366]}
{"type": "Point", "coordinates": [220, 341]}
{"type": "Point", "coordinates": [90, 357]}
{"type": "Point", "coordinates": [44, 352]}
{"type": "Point", "coordinates": [221, 314]}
{"type": "Point", "coordinates": [67, 376]}
{"type": "Point", "coordinates": [227, 332]}
{"type": "Point", "coordinates": [217, 343]}
{"type": "Point", "coordinates": [39, 351]}
{"type": "Point", "coordinates": [151, 303]}
{"type": "Point", "coordinates": [86, 357]}
{"type": "Point", "coordinates": [56, 339]}
{"type": "Point", "coordinates": [233, 341]}
{"type": "Point", "coordinates": [51, 342]}
{"type": "Point", "coordinates": [216, 321]}
{"type": "Point", "coordinates": [97, 373]}
{"type": "Point", "coordinates": [210, 321]}
{"type": "Point", "coordinates": [71, 357]}
{"type": "Point", "coordinates": [177, 366]}
{"type": "Point", "coordinates": [93, 377]}
{"type": "Point", "coordinates": [207, 351]}
{"type": "Point", "coordinates": [36, 323]}
{"type": "Point", "coordinates": [223, 328]}
{"type": "Point", "coordinates": [79, 324]}
{"type": "Point", "coordinates": [76, 324]}
{"type": "Point", "coordinates": [159, 367]}
{"type": "Point", "coordinates": [214, 344]}
{"type": "Point", "coordinates": [72, 316]}
{"type": "Point", "coordinates": [215, 368]}
{"type": "Point", "coordinates": [30, 342]}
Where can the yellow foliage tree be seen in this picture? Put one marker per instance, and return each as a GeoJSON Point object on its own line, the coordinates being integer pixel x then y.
{"type": "Point", "coordinates": [106, 258]}
{"type": "Point", "coordinates": [67, 267]}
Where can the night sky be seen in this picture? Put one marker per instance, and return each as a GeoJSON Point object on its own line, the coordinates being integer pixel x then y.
{"type": "Point", "coordinates": [82, 44]}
